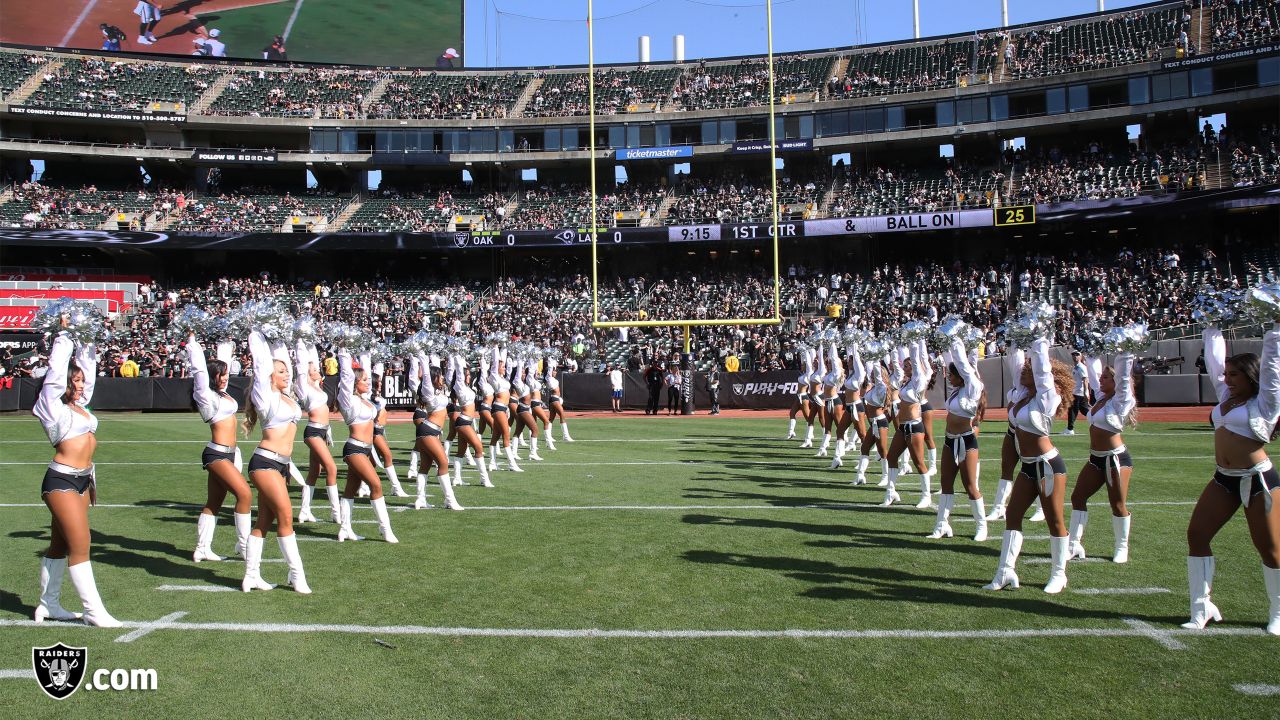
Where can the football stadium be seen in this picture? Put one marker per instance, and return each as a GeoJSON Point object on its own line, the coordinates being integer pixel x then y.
{"type": "Point", "coordinates": [932, 376]}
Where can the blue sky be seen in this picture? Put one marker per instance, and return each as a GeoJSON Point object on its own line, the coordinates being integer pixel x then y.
{"type": "Point", "coordinates": [553, 32]}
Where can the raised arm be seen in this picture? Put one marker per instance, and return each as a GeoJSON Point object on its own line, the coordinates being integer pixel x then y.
{"type": "Point", "coordinates": [415, 379]}
{"type": "Point", "coordinates": [1269, 375]}
{"type": "Point", "coordinates": [303, 357]}
{"type": "Point", "coordinates": [263, 366]}
{"type": "Point", "coordinates": [206, 399]}
{"type": "Point", "coordinates": [960, 358]}
{"type": "Point", "coordinates": [1215, 361]}
{"type": "Point", "coordinates": [1042, 369]}
{"type": "Point", "coordinates": [857, 370]}
{"type": "Point", "coordinates": [279, 351]}
{"type": "Point", "coordinates": [1124, 383]}
{"type": "Point", "coordinates": [923, 368]}
{"type": "Point", "coordinates": [49, 406]}
{"type": "Point", "coordinates": [346, 383]}
{"type": "Point", "coordinates": [87, 361]}
{"type": "Point", "coordinates": [225, 351]}
{"type": "Point", "coordinates": [896, 373]}
{"type": "Point", "coordinates": [822, 361]}
{"type": "Point", "coordinates": [1093, 369]}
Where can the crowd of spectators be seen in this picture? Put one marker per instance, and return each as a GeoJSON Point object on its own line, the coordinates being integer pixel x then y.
{"type": "Point", "coordinates": [253, 209]}
{"type": "Point", "coordinates": [424, 211]}
{"type": "Point", "coordinates": [50, 207]}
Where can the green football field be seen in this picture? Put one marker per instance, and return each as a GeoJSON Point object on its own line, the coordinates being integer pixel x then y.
{"type": "Point", "coordinates": [656, 568]}
{"type": "Point", "coordinates": [376, 32]}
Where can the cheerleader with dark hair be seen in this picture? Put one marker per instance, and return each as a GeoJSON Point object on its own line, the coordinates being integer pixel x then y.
{"type": "Point", "coordinates": [382, 456]}
{"type": "Point", "coordinates": [1043, 472]}
{"type": "Point", "coordinates": [501, 410]}
{"type": "Point", "coordinates": [536, 405]}
{"type": "Point", "coordinates": [458, 377]}
{"type": "Point", "coordinates": [70, 485]}
{"type": "Point", "coordinates": [1244, 422]}
{"type": "Point", "coordinates": [852, 416]}
{"type": "Point", "coordinates": [911, 374]}
{"type": "Point", "coordinates": [801, 404]}
{"type": "Point", "coordinates": [317, 435]}
{"type": "Point", "coordinates": [965, 407]}
{"type": "Point", "coordinates": [876, 403]}
{"type": "Point", "coordinates": [524, 408]}
{"type": "Point", "coordinates": [926, 418]}
{"type": "Point", "coordinates": [428, 418]}
{"type": "Point", "coordinates": [279, 414]}
{"type": "Point", "coordinates": [832, 399]}
{"type": "Point", "coordinates": [555, 399]}
{"type": "Point", "coordinates": [218, 410]}
{"type": "Point", "coordinates": [1015, 359]}
{"type": "Point", "coordinates": [1109, 463]}
{"type": "Point", "coordinates": [817, 411]}
{"type": "Point", "coordinates": [359, 414]}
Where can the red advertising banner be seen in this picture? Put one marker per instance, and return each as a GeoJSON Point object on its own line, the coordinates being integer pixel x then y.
{"type": "Point", "coordinates": [17, 317]}
{"type": "Point", "coordinates": [48, 277]}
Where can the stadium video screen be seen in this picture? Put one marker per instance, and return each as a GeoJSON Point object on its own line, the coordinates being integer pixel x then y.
{"type": "Point", "coordinates": [418, 33]}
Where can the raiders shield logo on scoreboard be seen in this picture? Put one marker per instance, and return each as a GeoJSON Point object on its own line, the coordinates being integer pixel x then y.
{"type": "Point", "coordinates": [59, 669]}
{"type": "Point", "coordinates": [461, 239]}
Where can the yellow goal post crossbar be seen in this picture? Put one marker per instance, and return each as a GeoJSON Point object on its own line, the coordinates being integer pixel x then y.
{"type": "Point", "coordinates": [595, 229]}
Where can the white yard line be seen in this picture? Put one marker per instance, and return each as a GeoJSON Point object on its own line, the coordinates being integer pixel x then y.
{"type": "Point", "coordinates": [1258, 690]}
{"type": "Point", "coordinates": [144, 628]}
{"type": "Point", "coordinates": [1133, 629]}
{"type": "Point", "coordinates": [825, 506]}
{"type": "Point", "coordinates": [17, 674]}
{"type": "Point", "coordinates": [84, 13]}
{"type": "Point", "coordinates": [1122, 591]}
{"type": "Point", "coordinates": [197, 588]}
{"type": "Point", "coordinates": [288, 28]}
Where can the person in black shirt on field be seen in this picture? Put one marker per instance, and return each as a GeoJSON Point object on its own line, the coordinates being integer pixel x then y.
{"type": "Point", "coordinates": [713, 389]}
{"type": "Point", "coordinates": [653, 379]}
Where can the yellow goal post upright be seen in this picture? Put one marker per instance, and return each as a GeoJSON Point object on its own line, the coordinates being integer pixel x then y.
{"type": "Point", "coordinates": [596, 322]}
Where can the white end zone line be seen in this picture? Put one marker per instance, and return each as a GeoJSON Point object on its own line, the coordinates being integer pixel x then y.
{"type": "Point", "coordinates": [1134, 629]}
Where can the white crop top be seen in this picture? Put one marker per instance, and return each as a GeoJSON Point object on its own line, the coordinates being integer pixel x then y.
{"type": "Point", "coordinates": [1109, 413]}
{"type": "Point", "coordinates": [914, 391]}
{"type": "Point", "coordinates": [59, 420]}
{"type": "Point", "coordinates": [213, 405]}
{"type": "Point", "coordinates": [1036, 415]}
{"type": "Point", "coordinates": [421, 386]}
{"type": "Point", "coordinates": [1255, 419]}
{"type": "Point", "coordinates": [878, 395]}
{"type": "Point", "coordinates": [857, 371]}
{"type": "Point", "coordinates": [964, 401]}
{"type": "Point", "coordinates": [464, 394]}
{"type": "Point", "coordinates": [274, 408]}
{"type": "Point", "coordinates": [553, 384]}
{"type": "Point", "coordinates": [355, 409]}
{"type": "Point", "coordinates": [310, 397]}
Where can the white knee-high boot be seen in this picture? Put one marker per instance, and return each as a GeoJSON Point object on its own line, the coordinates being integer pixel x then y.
{"type": "Point", "coordinates": [547, 437]}
{"type": "Point", "coordinates": [863, 462]}
{"type": "Point", "coordinates": [238, 460]}
{"type": "Point", "coordinates": [1271, 576]}
{"type": "Point", "coordinates": [825, 446]}
{"type": "Point", "coordinates": [1120, 526]}
{"type": "Point", "coordinates": [253, 566]}
{"type": "Point", "coordinates": [297, 578]}
{"type": "Point", "coordinates": [533, 449]}
{"type": "Point", "coordinates": [421, 503]}
{"type": "Point", "coordinates": [384, 519]}
{"type": "Point", "coordinates": [1200, 579]}
{"type": "Point", "coordinates": [1003, 488]}
{"type": "Point", "coordinates": [493, 458]}
{"type": "Point", "coordinates": [942, 528]}
{"type": "Point", "coordinates": [95, 613]}
{"type": "Point", "coordinates": [394, 477]}
{"type": "Point", "coordinates": [1006, 573]}
{"type": "Point", "coordinates": [890, 493]}
{"type": "Point", "coordinates": [450, 501]}
{"type": "Point", "coordinates": [344, 531]}
{"type": "Point", "coordinates": [414, 459]}
{"type": "Point", "coordinates": [469, 458]}
{"type": "Point", "coordinates": [808, 437]}
{"type": "Point", "coordinates": [205, 525]}
{"type": "Point", "coordinates": [837, 458]}
{"type": "Point", "coordinates": [50, 607]}
{"type": "Point", "coordinates": [884, 472]}
{"type": "Point", "coordinates": [979, 519]}
{"type": "Point", "coordinates": [1038, 515]}
{"type": "Point", "coordinates": [457, 475]}
{"type": "Point", "coordinates": [1058, 554]}
{"type": "Point", "coordinates": [791, 428]}
{"type": "Point", "coordinates": [484, 476]}
{"type": "Point", "coordinates": [1079, 519]}
{"type": "Point", "coordinates": [304, 510]}
{"type": "Point", "coordinates": [564, 431]}
{"type": "Point", "coordinates": [511, 461]}
{"type": "Point", "coordinates": [335, 503]}
{"type": "Point", "coordinates": [926, 491]}
{"type": "Point", "coordinates": [244, 525]}
{"type": "Point", "coordinates": [933, 459]}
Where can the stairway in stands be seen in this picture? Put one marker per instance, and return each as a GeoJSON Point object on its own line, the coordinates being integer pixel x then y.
{"type": "Point", "coordinates": [517, 110]}
{"type": "Point", "coordinates": [29, 86]}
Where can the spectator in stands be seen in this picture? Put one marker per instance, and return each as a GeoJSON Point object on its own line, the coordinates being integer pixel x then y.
{"type": "Point", "coordinates": [211, 46]}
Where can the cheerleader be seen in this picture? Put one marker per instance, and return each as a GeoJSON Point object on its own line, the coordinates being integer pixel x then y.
{"type": "Point", "coordinates": [359, 414]}
{"type": "Point", "coordinates": [801, 404]}
{"type": "Point", "coordinates": [536, 405]}
{"type": "Point", "coordinates": [218, 410]}
{"type": "Point", "coordinates": [428, 417]}
{"type": "Point", "coordinates": [1109, 462]}
{"type": "Point", "coordinates": [465, 399]}
{"type": "Point", "coordinates": [381, 450]}
{"type": "Point", "coordinates": [501, 410]}
{"type": "Point", "coordinates": [911, 375]}
{"type": "Point", "coordinates": [1043, 472]}
{"type": "Point", "coordinates": [524, 407]}
{"type": "Point", "coordinates": [964, 408]}
{"type": "Point", "coordinates": [818, 369]}
{"type": "Point", "coordinates": [832, 399]}
{"type": "Point", "coordinates": [852, 416]}
{"type": "Point", "coordinates": [926, 417]}
{"type": "Point", "coordinates": [1014, 360]}
{"type": "Point", "coordinates": [1244, 422]}
{"type": "Point", "coordinates": [279, 415]}
{"type": "Point", "coordinates": [555, 400]}
{"type": "Point", "coordinates": [70, 485]}
{"type": "Point", "coordinates": [484, 389]}
{"type": "Point", "coordinates": [317, 435]}
{"type": "Point", "coordinates": [876, 403]}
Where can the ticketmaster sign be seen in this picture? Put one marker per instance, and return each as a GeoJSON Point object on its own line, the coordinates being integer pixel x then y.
{"type": "Point", "coordinates": [658, 153]}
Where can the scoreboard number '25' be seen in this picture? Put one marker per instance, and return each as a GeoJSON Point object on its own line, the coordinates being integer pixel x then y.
{"type": "Point", "coordinates": [1015, 215]}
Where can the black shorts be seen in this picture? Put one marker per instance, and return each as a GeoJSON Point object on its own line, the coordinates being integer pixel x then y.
{"type": "Point", "coordinates": [878, 423]}
{"type": "Point", "coordinates": [315, 432]}
{"type": "Point", "coordinates": [522, 408]}
{"type": "Point", "coordinates": [970, 441]}
{"type": "Point", "coordinates": [926, 407]}
{"type": "Point", "coordinates": [802, 397]}
{"type": "Point", "coordinates": [349, 448]}
{"type": "Point", "coordinates": [425, 430]}
{"type": "Point", "coordinates": [536, 403]}
{"type": "Point", "coordinates": [211, 456]}
{"type": "Point", "coordinates": [258, 462]}
{"type": "Point", "coordinates": [482, 407]}
{"type": "Point", "coordinates": [463, 421]}
{"type": "Point", "coordinates": [1126, 461]}
{"type": "Point", "coordinates": [451, 408]}
{"type": "Point", "coordinates": [420, 415]}
{"type": "Point", "coordinates": [55, 481]}
{"type": "Point", "coordinates": [380, 431]}
{"type": "Point", "coordinates": [860, 407]}
{"type": "Point", "coordinates": [499, 408]}
{"type": "Point", "coordinates": [1032, 470]}
{"type": "Point", "coordinates": [911, 427]}
{"type": "Point", "coordinates": [1226, 482]}
{"type": "Point", "coordinates": [556, 399]}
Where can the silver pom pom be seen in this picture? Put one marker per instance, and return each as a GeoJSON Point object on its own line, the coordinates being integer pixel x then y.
{"type": "Point", "coordinates": [1127, 338]}
{"type": "Point", "coordinates": [306, 329]}
{"type": "Point", "coordinates": [84, 321]}
{"type": "Point", "coordinates": [1263, 302]}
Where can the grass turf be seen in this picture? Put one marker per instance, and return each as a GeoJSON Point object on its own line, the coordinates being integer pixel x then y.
{"type": "Point", "coordinates": [777, 564]}
{"type": "Point", "coordinates": [377, 32]}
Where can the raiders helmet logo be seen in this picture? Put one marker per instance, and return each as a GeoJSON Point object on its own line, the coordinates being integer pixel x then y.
{"type": "Point", "coordinates": [59, 669]}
